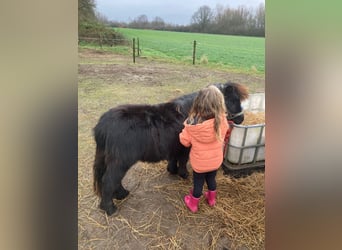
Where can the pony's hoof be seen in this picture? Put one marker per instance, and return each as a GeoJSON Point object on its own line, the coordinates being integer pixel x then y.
{"type": "Point", "coordinates": [120, 195]}
{"type": "Point", "coordinates": [184, 175]}
{"type": "Point", "coordinates": [172, 170]}
{"type": "Point", "coordinates": [109, 209]}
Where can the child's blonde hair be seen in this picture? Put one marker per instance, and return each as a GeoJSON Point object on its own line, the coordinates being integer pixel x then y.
{"type": "Point", "coordinates": [208, 104]}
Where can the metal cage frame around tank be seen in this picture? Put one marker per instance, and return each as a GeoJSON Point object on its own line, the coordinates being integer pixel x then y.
{"type": "Point", "coordinates": [239, 165]}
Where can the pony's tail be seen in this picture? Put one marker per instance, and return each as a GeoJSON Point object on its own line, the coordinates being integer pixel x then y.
{"type": "Point", "coordinates": [99, 163]}
{"type": "Point", "coordinates": [98, 170]}
{"type": "Point", "coordinates": [100, 166]}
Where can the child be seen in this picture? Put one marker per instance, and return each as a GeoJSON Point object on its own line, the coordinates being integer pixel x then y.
{"type": "Point", "coordinates": [205, 129]}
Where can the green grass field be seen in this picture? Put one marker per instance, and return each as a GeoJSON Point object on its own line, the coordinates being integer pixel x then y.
{"type": "Point", "coordinates": [238, 53]}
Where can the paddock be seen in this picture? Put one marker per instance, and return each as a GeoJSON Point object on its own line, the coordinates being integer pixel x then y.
{"type": "Point", "coordinates": [154, 216]}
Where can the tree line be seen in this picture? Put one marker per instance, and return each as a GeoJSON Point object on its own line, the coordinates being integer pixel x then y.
{"type": "Point", "coordinates": [221, 20]}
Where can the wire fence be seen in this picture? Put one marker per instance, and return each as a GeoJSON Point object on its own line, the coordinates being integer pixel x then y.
{"type": "Point", "coordinates": [239, 55]}
{"type": "Point", "coordinates": [136, 46]}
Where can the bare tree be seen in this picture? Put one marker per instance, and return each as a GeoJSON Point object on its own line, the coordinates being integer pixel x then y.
{"type": "Point", "coordinates": [101, 18]}
{"type": "Point", "coordinates": [202, 18]}
{"type": "Point", "coordinates": [260, 17]}
{"type": "Point", "coordinates": [140, 22]}
{"type": "Point", "coordinates": [158, 23]}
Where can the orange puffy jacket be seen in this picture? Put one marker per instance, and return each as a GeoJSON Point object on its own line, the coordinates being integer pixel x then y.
{"type": "Point", "coordinates": [206, 153]}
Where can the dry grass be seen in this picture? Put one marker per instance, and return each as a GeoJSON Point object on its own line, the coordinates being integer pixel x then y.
{"type": "Point", "coordinates": [253, 118]}
{"type": "Point", "coordinates": [154, 215]}
{"type": "Point", "coordinates": [239, 213]}
{"type": "Point", "coordinates": [237, 220]}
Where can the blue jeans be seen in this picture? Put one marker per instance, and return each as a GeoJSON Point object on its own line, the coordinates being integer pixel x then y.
{"type": "Point", "coordinates": [199, 178]}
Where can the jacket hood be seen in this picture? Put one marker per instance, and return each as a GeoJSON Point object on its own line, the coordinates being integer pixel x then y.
{"type": "Point", "coordinates": [202, 132]}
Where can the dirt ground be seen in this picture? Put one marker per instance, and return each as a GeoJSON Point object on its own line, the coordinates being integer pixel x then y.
{"type": "Point", "coordinates": [154, 216]}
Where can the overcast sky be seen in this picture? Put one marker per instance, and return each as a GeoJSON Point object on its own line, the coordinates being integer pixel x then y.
{"type": "Point", "coordinates": [171, 11]}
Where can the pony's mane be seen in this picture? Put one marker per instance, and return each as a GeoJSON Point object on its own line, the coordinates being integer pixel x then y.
{"type": "Point", "coordinates": [241, 90]}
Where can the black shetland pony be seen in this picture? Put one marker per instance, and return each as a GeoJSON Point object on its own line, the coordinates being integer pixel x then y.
{"type": "Point", "coordinates": [130, 133]}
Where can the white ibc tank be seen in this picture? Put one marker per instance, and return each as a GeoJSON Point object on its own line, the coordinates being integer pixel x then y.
{"type": "Point", "coordinates": [247, 143]}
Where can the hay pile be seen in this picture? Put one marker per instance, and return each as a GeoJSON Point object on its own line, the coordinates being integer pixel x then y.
{"type": "Point", "coordinates": [237, 220]}
{"type": "Point", "coordinates": [240, 209]}
{"type": "Point", "coordinates": [154, 215]}
{"type": "Point", "coordinates": [253, 118]}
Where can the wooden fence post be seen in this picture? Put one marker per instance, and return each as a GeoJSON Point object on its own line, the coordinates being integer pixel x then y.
{"type": "Point", "coordinates": [138, 47]}
{"type": "Point", "coordinates": [100, 39]}
{"type": "Point", "coordinates": [133, 50]}
{"type": "Point", "coordinates": [194, 53]}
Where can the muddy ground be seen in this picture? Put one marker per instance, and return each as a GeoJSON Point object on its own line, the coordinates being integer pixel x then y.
{"type": "Point", "coordinates": [154, 216]}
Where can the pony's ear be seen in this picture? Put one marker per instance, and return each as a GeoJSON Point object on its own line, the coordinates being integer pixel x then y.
{"type": "Point", "coordinates": [227, 89]}
{"type": "Point", "coordinates": [239, 89]}
{"type": "Point", "coordinates": [243, 91]}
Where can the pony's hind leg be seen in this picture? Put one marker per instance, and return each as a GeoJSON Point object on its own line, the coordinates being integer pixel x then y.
{"type": "Point", "coordinates": [106, 203]}
{"type": "Point", "coordinates": [112, 187]}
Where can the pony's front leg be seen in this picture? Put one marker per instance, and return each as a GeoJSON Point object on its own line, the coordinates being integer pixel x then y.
{"type": "Point", "coordinates": [182, 171]}
{"type": "Point", "coordinates": [172, 166]}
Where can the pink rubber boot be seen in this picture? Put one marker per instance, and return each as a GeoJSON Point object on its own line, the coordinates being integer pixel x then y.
{"type": "Point", "coordinates": [191, 202]}
{"type": "Point", "coordinates": [210, 197]}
